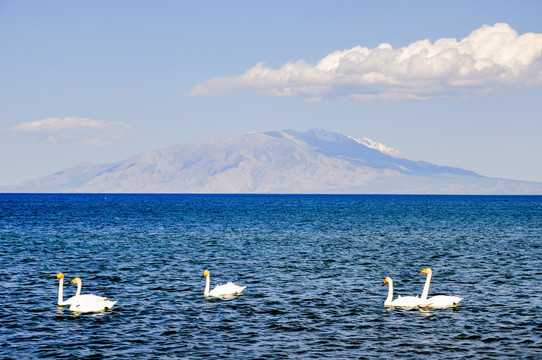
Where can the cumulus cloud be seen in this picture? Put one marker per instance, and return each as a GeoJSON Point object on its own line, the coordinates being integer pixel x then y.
{"type": "Point", "coordinates": [492, 58]}
{"type": "Point", "coordinates": [73, 129]}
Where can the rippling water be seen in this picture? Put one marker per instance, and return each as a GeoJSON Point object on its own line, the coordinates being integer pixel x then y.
{"type": "Point", "coordinates": [313, 266]}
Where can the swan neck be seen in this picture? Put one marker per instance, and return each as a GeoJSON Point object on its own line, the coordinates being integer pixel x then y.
{"type": "Point", "coordinates": [207, 285]}
{"type": "Point", "coordinates": [390, 293]}
{"type": "Point", "coordinates": [60, 292]}
{"type": "Point", "coordinates": [79, 285]}
{"type": "Point", "coordinates": [425, 292]}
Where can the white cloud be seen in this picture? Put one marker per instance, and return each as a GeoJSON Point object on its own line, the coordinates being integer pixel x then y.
{"type": "Point", "coordinates": [73, 129]}
{"type": "Point", "coordinates": [491, 58]}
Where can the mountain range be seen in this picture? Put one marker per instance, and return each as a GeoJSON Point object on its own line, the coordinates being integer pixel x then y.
{"type": "Point", "coordinates": [287, 161]}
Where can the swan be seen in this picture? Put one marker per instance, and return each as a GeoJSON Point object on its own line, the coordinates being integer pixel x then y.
{"type": "Point", "coordinates": [439, 301]}
{"type": "Point", "coordinates": [220, 290]}
{"type": "Point", "coordinates": [60, 302]}
{"type": "Point", "coordinates": [401, 301]}
{"type": "Point", "coordinates": [88, 303]}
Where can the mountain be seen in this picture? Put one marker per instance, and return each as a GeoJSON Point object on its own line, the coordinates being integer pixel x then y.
{"type": "Point", "coordinates": [286, 161]}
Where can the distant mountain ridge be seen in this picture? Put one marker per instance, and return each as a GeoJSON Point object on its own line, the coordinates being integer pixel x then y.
{"type": "Point", "coordinates": [287, 161]}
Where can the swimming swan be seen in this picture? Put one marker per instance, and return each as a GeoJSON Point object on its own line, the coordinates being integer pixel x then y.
{"type": "Point", "coordinates": [439, 301]}
{"type": "Point", "coordinates": [60, 302]}
{"type": "Point", "coordinates": [220, 290]}
{"type": "Point", "coordinates": [88, 303]}
{"type": "Point", "coordinates": [401, 301]}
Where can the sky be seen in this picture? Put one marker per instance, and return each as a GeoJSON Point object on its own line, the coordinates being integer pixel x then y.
{"type": "Point", "coordinates": [452, 83]}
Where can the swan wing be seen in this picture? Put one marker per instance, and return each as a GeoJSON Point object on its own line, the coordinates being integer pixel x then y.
{"type": "Point", "coordinates": [226, 289]}
{"type": "Point", "coordinates": [407, 302]}
{"type": "Point", "coordinates": [442, 301]}
{"type": "Point", "coordinates": [92, 305]}
{"type": "Point", "coordinates": [84, 298]}
{"type": "Point", "coordinates": [91, 297]}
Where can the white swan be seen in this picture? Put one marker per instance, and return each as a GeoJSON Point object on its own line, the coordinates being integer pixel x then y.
{"type": "Point", "coordinates": [60, 302]}
{"type": "Point", "coordinates": [439, 301]}
{"type": "Point", "coordinates": [88, 303]}
{"type": "Point", "coordinates": [221, 290]}
{"type": "Point", "coordinates": [401, 301]}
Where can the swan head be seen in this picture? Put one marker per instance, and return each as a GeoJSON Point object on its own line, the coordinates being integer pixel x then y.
{"type": "Point", "coordinates": [387, 280]}
{"type": "Point", "coordinates": [76, 281]}
{"type": "Point", "coordinates": [427, 271]}
{"type": "Point", "coordinates": [60, 276]}
{"type": "Point", "coordinates": [206, 273]}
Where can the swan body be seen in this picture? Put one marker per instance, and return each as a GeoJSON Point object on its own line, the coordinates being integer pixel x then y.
{"type": "Point", "coordinates": [401, 301]}
{"type": "Point", "coordinates": [89, 303]}
{"type": "Point", "coordinates": [228, 289]}
{"type": "Point", "coordinates": [439, 301]}
{"type": "Point", "coordinates": [83, 297]}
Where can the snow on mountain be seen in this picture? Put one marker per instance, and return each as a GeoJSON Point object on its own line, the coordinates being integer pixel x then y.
{"type": "Point", "coordinates": [288, 161]}
{"type": "Point", "coordinates": [383, 148]}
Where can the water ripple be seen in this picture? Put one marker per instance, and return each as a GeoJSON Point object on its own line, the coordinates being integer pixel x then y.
{"type": "Point", "coordinates": [313, 266]}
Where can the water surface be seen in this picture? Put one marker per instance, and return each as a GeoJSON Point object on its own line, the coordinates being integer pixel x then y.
{"type": "Point", "coordinates": [313, 266]}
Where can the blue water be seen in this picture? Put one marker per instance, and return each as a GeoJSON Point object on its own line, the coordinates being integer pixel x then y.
{"type": "Point", "coordinates": [313, 267]}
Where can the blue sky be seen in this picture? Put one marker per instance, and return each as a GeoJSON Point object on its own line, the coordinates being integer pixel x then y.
{"type": "Point", "coordinates": [452, 83]}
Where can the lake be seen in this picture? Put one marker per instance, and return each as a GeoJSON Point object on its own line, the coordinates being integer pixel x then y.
{"type": "Point", "coordinates": [313, 266]}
